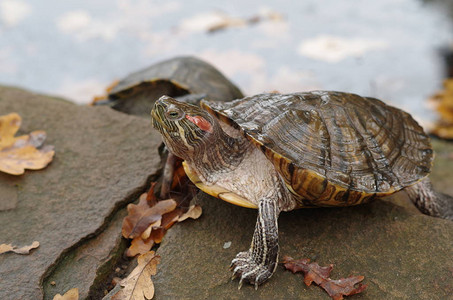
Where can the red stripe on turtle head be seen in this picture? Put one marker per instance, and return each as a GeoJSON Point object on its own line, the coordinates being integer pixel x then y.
{"type": "Point", "coordinates": [201, 122]}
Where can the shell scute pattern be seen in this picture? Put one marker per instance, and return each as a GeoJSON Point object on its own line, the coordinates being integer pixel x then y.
{"type": "Point", "coordinates": [333, 148]}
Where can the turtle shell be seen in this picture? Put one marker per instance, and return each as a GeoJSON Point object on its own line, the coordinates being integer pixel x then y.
{"type": "Point", "coordinates": [175, 77]}
{"type": "Point", "coordinates": [332, 148]}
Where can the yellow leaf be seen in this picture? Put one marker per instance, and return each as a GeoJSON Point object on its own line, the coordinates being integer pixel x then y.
{"type": "Point", "coordinates": [20, 153]}
{"type": "Point", "coordinates": [72, 294]}
{"type": "Point", "coordinates": [138, 285]}
{"type": "Point", "coordinates": [9, 125]}
{"type": "Point", "coordinates": [6, 248]}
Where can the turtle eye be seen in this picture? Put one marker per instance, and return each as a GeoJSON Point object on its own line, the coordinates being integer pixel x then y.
{"type": "Point", "coordinates": [174, 113]}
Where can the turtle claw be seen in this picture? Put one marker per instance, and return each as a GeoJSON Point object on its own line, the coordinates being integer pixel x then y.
{"type": "Point", "coordinates": [234, 276]}
{"type": "Point", "coordinates": [240, 283]}
{"type": "Point", "coordinates": [246, 269]}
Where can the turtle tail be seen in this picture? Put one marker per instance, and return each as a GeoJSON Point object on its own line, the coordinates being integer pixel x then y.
{"type": "Point", "coordinates": [430, 202]}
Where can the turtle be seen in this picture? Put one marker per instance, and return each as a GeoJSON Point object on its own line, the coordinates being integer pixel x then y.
{"type": "Point", "coordinates": [279, 152]}
{"type": "Point", "coordinates": [185, 77]}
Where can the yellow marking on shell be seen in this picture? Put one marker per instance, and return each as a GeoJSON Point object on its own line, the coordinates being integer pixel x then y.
{"type": "Point", "coordinates": [309, 187]}
{"type": "Point", "coordinates": [217, 191]}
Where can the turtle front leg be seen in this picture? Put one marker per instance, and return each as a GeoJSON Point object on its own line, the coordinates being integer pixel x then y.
{"type": "Point", "coordinates": [258, 263]}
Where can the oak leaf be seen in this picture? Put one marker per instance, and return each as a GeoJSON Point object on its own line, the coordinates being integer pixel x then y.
{"type": "Point", "coordinates": [171, 218]}
{"type": "Point", "coordinates": [20, 153]}
{"type": "Point", "coordinates": [320, 275]}
{"type": "Point", "coordinates": [72, 294]}
{"type": "Point", "coordinates": [343, 287]}
{"type": "Point", "coordinates": [194, 212]}
{"type": "Point", "coordinates": [148, 221]}
{"type": "Point", "coordinates": [140, 246]}
{"type": "Point", "coordinates": [6, 248]}
{"type": "Point", "coordinates": [142, 215]}
{"type": "Point", "coordinates": [22, 250]}
{"type": "Point", "coordinates": [138, 285]}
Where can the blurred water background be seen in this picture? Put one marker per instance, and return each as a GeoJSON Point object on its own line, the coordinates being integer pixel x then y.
{"type": "Point", "coordinates": [389, 49]}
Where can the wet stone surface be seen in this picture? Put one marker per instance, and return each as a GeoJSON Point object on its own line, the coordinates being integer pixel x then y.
{"type": "Point", "coordinates": [103, 159]}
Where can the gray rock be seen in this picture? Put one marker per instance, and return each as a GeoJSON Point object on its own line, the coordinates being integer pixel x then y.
{"type": "Point", "coordinates": [10, 191]}
{"type": "Point", "coordinates": [442, 175]}
{"type": "Point", "coordinates": [103, 160]}
{"type": "Point", "coordinates": [402, 253]}
{"type": "Point", "coordinates": [88, 265]}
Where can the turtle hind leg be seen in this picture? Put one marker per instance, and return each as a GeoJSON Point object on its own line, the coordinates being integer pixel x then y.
{"type": "Point", "coordinates": [258, 264]}
{"type": "Point", "coordinates": [430, 202]}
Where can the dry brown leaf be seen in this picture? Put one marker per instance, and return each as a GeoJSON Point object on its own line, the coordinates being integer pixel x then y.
{"type": "Point", "coordinates": [343, 287]}
{"type": "Point", "coordinates": [320, 275]}
{"type": "Point", "coordinates": [20, 153]}
{"type": "Point", "coordinates": [133, 215]}
{"type": "Point", "coordinates": [140, 246]}
{"type": "Point", "coordinates": [170, 218]}
{"type": "Point", "coordinates": [139, 285]}
{"type": "Point", "coordinates": [26, 249]}
{"type": "Point", "coordinates": [148, 221]}
{"type": "Point", "coordinates": [146, 212]}
{"type": "Point", "coordinates": [312, 271]}
{"type": "Point", "coordinates": [232, 22]}
{"type": "Point", "coordinates": [23, 250]}
{"type": "Point", "coordinates": [148, 230]}
{"type": "Point", "coordinates": [194, 212]}
{"type": "Point", "coordinates": [72, 294]}
{"type": "Point", "coordinates": [144, 220]}
{"type": "Point", "coordinates": [149, 216]}
{"type": "Point", "coordinates": [6, 248]}
{"type": "Point", "coordinates": [158, 234]}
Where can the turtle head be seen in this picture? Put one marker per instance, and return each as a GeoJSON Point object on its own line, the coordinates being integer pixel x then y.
{"type": "Point", "coordinates": [184, 127]}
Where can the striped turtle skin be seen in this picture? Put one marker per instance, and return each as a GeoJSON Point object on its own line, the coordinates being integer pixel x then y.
{"type": "Point", "coordinates": [332, 148]}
